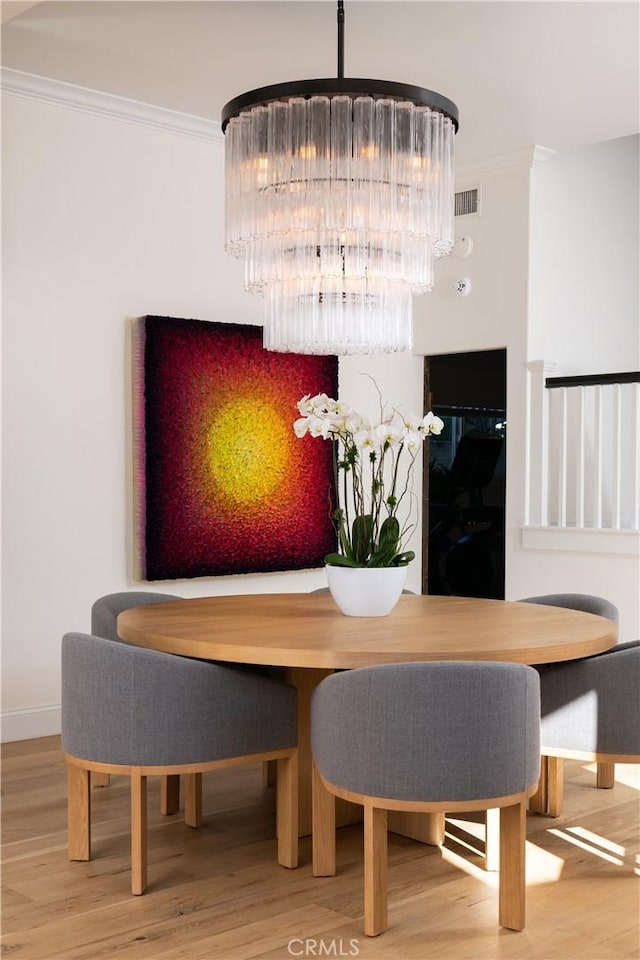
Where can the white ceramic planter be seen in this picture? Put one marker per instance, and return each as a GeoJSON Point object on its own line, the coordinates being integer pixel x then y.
{"type": "Point", "coordinates": [366, 591]}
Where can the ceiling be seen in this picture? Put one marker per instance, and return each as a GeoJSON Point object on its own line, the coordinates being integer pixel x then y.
{"type": "Point", "coordinates": [557, 74]}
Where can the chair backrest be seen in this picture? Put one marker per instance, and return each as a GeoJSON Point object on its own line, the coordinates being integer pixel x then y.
{"type": "Point", "coordinates": [593, 705]}
{"type": "Point", "coordinates": [123, 704]}
{"type": "Point", "coordinates": [585, 602]}
{"type": "Point", "coordinates": [105, 611]}
{"type": "Point", "coordinates": [442, 731]}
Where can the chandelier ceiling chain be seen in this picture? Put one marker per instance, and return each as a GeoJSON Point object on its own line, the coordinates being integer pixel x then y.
{"type": "Point", "coordinates": [339, 194]}
{"type": "Point", "coordinates": [340, 39]}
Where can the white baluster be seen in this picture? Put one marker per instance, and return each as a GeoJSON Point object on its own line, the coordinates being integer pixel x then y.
{"type": "Point", "coordinates": [635, 456]}
{"type": "Point", "coordinates": [562, 466]}
{"type": "Point", "coordinates": [537, 444]}
{"type": "Point", "coordinates": [580, 434]}
{"type": "Point", "coordinates": [598, 458]}
{"type": "Point", "coordinates": [617, 448]}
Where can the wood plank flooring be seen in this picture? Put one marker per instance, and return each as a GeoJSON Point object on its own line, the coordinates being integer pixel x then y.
{"type": "Point", "coordinates": [218, 894]}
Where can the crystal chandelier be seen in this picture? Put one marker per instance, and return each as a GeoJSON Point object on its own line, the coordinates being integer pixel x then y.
{"type": "Point", "coordinates": [339, 194]}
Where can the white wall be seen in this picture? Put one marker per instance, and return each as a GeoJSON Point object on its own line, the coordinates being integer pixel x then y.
{"type": "Point", "coordinates": [584, 317]}
{"type": "Point", "coordinates": [522, 300]}
{"type": "Point", "coordinates": [400, 380]}
{"type": "Point", "coordinates": [494, 314]}
{"type": "Point", "coordinates": [584, 304]}
{"type": "Point", "coordinates": [104, 220]}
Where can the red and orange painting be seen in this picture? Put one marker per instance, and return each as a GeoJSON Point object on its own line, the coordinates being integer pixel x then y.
{"type": "Point", "coordinates": [222, 484]}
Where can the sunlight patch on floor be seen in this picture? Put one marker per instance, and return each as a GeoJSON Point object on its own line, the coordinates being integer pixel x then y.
{"type": "Point", "coordinates": [542, 866]}
{"type": "Point", "coordinates": [462, 863]}
{"type": "Point", "coordinates": [597, 840]}
{"type": "Point", "coordinates": [595, 847]}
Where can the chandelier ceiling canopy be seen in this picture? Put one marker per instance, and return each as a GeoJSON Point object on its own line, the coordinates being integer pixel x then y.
{"type": "Point", "coordinates": [339, 194]}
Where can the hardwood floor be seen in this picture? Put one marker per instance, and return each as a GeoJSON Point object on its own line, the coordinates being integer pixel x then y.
{"type": "Point", "coordinates": [218, 894]}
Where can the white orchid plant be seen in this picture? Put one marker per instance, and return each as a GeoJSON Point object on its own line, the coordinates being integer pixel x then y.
{"type": "Point", "coordinates": [373, 465]}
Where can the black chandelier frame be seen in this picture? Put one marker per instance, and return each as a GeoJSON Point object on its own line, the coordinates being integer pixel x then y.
{"type": "Point", "coordinates": [341, 86]}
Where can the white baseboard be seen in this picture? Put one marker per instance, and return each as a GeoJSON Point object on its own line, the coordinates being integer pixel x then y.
{"type": "Point", "coordinates": [30, 723]}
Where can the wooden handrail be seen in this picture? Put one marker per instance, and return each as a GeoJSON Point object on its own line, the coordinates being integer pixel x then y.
{"type": "Point", "coordinates": [593, 379]}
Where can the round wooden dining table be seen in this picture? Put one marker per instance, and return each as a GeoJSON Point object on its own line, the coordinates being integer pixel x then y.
{"type": "Point", "coordinates": [306, 635]}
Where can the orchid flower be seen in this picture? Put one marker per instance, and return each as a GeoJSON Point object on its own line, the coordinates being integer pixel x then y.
{"type": "Point", "coordinates": [432, 424]}
{"type": "Point", "coordinates": [372, 471]}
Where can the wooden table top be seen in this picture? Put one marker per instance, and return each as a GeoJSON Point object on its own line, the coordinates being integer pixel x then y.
{"type": "Point", "coordinates": [308, 630]}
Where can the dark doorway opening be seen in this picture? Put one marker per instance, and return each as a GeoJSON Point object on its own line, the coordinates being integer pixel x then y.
{"type": "Point", "coordinates": [464, 475]}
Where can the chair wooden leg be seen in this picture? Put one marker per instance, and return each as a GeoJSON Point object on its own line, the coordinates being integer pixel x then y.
{"type": "Point", "coordinates": [324, 828]}
{"type": "Point", "coordinates": [78, 813]}
{"type": "Point", "coordinates": [492, 839]}
{"type": "Point", "coordinates": [511, 882]}
{"type": "Point", "coordinates": [606, 775]}
{"type": "Point", "coordinates": [100, 779]}
{"type": "Point", "coordinates": [193, 799]}
{"type": "Point", "coordinates": [169, 795]}
{"type": "Point", "coordinates": [269, 768]}
{"type": "Point", "coordinates": [287, 811]}
{"type": "Point", "coordinates": [555, 785]}
{"type": "Point", "coordinates": [138, 832]}
{"type": "Point", "coordinates": [539, 802]}
{"type": "Point", "coordinates": [375, 870]}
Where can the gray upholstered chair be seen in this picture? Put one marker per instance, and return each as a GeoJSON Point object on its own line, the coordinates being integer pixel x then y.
{"type": "Point", "coordinates": [142, 713]}
{"type": "Point", "coordinates": [106, 610]}
{"type": "Point", "coordinates": [428, 738]}
{"type": "Point", "coordinates": [572, 723]}
{"type": "Point", "coordinates": [590, 711]}
{"type": "Point", "coordinates": [585, 602]}
{"type": "Point", "coordinates": [104, 623]}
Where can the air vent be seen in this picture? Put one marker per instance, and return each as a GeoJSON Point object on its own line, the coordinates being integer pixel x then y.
{"type": "Point", "coordinates": [467, 202]}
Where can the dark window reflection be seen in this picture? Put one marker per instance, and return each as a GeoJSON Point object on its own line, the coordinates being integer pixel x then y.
{"type": "Point", "coordinates": [467, 502]}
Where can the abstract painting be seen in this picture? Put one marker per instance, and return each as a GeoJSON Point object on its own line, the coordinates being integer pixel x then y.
{"type": "Point", "coordinates": [222, 484]}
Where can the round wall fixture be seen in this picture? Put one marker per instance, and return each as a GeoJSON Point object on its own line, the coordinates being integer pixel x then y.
{"type": "Point", "coordinates": [462, 286]}
{"type": "Point", "coordinates": [463, 248]}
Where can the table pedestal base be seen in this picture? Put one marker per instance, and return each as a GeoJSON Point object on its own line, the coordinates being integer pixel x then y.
{"type": "Point", "coordinates": [425, 827]}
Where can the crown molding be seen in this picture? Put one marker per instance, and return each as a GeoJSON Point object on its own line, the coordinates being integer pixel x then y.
{"type": "Point", "coordinates": [28, 86]}
{"type": "Point", "coordinates": [524, 159]}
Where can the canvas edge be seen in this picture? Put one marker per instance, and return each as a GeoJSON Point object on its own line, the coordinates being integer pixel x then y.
{"type": "Point", "coordinates": [138, 341]}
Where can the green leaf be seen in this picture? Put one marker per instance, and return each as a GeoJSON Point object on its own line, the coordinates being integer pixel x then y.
{"type": "Point", "coordinates": [382, 557]}
{"type": "Point", "coordinates": [344, 542]}
{"type": "Point", "coordinates": [361, 534]}
{"type": "Point", "coordinates": [402, 559]}
{"type": "Point", "coordinates": [388, 544]}
{"type": "Point", "coordinates": [338, 560]}
{"type": "Point", "coordinates": [389, 532]}
{"type": "Point", "coordinates": [343, 533]}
